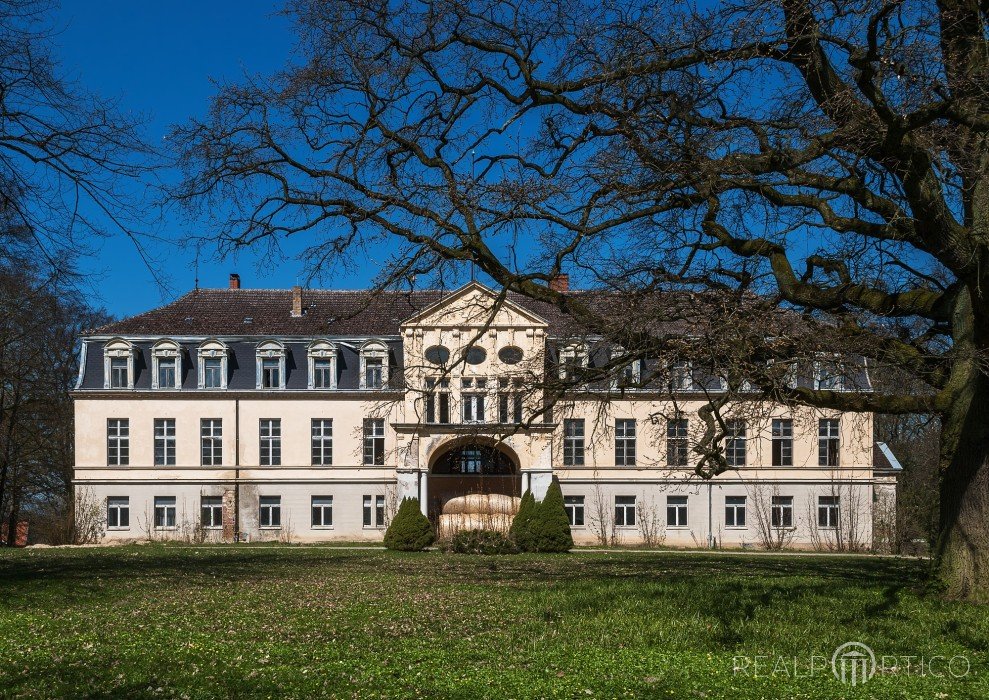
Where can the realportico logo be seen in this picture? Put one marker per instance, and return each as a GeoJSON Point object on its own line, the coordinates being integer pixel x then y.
{"type": "Point", "coordinates": [852, 663]}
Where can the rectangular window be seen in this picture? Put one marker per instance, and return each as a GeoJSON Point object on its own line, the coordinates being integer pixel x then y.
{"type": "Point", "coordinates": [322, 374]}
{"type": "Point", "coordinates": [437, 400]}
{"type": "Point", "coordinates": [164, 442]}
{"type": "Point", "coordinates": [211, 441]}
{"type": "Point", "coordinates": [271, 442]}
{"type": "Point", "coordinates": [164, 512]}
{"type": "Point", "coordinates": [625, 442]}
{"type": "Point", "coordinates": [118, 373]}
{"type": "Point", "coordinates": [374, 372]}
{"type": "Point", "coordinates": [212, 373]}
{"type": "Point", "coordinates": [735, 443]}
{"type": "Point", "coordinates": [322, 442]}
{"type": "Point", "coordinates": [374, 511]}
{"type": "Point", "coordinates": [574, 505]}
{"type": "Point", "coordinates": [573, 442]}
{"type": "Point", "coordinates": [681, 376]}
{"type": "Point", "coordinates": [271, 373]}
{"type": "Point", "coordinates": [734, 511]}
{"type": "Point", "coordinates": [782, 511]}
{"type": "Point", "coordinates": [322, 511]}
{"type": "Point", "coordinates": [270, 515]}
{"type": "Point", "coordinates": [211, 512]}
{"type": "Point", "coordinates": [166, 373]}
{"type": "Point", "coordinates": [827, 511]}
{"type": "Point", "coordinates": [374, 441]}
{"type": "Point", "coordinates": [509, 400]}
{"type": "Point", "coordinates": [625, 511]}
{"type": "Point", "coordinates": [472, 400]}
{"type": "Point", "coordinates": [676, 511]}
{"type": "Point", "coordinates": [827, 442]}
{"type": "Point", "coordinates": [118, 512]}
{"type": "Point", "coordinates": [118, 442]}
{"type": "Point", "coordinates": [676, 442]}
{"type": "Point", "coordinates": [782, 442]}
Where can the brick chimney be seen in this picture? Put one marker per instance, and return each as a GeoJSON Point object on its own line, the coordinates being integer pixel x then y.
{"type": "Point", "coordinates": [560, 283]}
{"type": "Point", "coordinates": [296, 302]}
{"type": "Point", "coordinates": [234, 280]}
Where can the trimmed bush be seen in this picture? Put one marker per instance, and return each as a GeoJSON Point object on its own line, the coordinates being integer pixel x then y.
{"type": "Point", "coordinates": [521, 530]}
{"type": "Point", "coordinates": [550, 528]}
{"type": "Point", "coordinates": [410, 530]}
{"type": "Point", "coordinates": [482, 542]}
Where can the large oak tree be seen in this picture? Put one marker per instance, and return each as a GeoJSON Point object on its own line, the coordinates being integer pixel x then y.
{"type": "Point", "coordinates": [829, 156]}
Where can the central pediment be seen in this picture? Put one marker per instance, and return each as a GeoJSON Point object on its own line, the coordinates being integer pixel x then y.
{"type": "Point", "coordinates": [474, 306]}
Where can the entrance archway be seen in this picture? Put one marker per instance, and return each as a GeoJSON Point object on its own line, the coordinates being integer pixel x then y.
{"type": "Point", "coordinates": [471, 466]}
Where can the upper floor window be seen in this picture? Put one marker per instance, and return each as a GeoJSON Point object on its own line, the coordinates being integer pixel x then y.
{"type": "Point", "coordinates": [166, 365]}
{"type": "Point", "coordinates": [828, 442]}
{"type": "Point", "coordinates": [829, 375]}
{"type": "Point", "coordinates": [573, 360]}
{"type": "Point", "coordinates": [625, 442]}
{"type": "Point", "coordinates": [782, 442]}
{"type": "Point", "coordinates": [118, 441]}
{"type": "Point", "coordinates": [118, 365]}
{"type": "Point", "coordinates": [627, 375]}
{"type": "Point", "coordinates": [573, 442]}
{"type": "Point", "coordinates": [681, 376]}
{"type": "Point", "coordinates": [472, 399]}
{"type": "Point", "coordinates": [322, 365]}
{"type": "Point", "coordinates": [164, 442]}
{"type": "Point", "coordinates": [211, 441]}
{"type": "Point", "coordinates": [212, 365]}
{"type": "Point", "coordinates": [374, 365]}
{"type": "Point", "coordinates": [322, 442]}
{"type": "Point", "coordinates": [271, 442]}
{"type": "Point", "coordinates": [271, 365]}
{"type": "Point", "coordinates": [676, 442]}
{"type": "Point", "coordinates": [374, 441]}
{"type": "Point", "coordinates": [735, 440]}
{"type": "Point", "coordinates": [437, 400]}
{"type": "Point", "coordinates": [510, 400]}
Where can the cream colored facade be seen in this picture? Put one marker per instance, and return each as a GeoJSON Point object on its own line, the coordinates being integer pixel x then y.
{"type": "Point", "coordinates": [431, 460]}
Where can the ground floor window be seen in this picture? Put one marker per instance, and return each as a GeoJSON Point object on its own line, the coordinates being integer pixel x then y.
{"type": "Point", "coordinates": [374, 511]}
{"type": "Point", "coordinates": [625, 511]}
{"type": "Point", "coordinates": [271, 511]}
{"type": "Point", "coordinates": [322, 511]}
{"type": "Point", "coordinates": [211, 512]}
{"type": "Point", "coordinates": [676, 511]}
{"type": "Point", "coordinates": [574, 505]}
{"type": "Point", "coordinates": [164, 511]}
{"type": "Point", "coordinates": [827, 511]}
{"type": "Point", "coordinates": [118, 512]}
{"type": "Point", "coordinates": [782, 511]}
{"type": "Point", "coordinates": [734, 511]}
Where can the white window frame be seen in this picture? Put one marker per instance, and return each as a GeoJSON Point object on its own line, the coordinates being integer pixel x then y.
{"type": "Point", "coordinates": [574, 446]}
{"type": "Point", "coordinates": [677, 506]}
{"type": "Point", "coordinates": [211, 440]}
{"type": "Point", "coordinates": [473, 400]}
{"type": "Point", "coordinates": [166, 350]}
{"type": "Point", "coordinates": [573, 354]}
{"type": "Point", "coordinates": [736, 505]}
{"type": "Point", "coordinates": [438, 391]}
{"type": "Point", "coordinates": [677, 443]}
{"type": "Point", "coordinates": [118, 442]}
{"type": "Point", "coordinates": [377, 350]}
{"type": "Point", "coordinates": [681, 376]}
{"type": "Point", "coordinates": [833, 511]}
{"type": "Point", "coordinates": [736, 440]}
{"type": "Point", "coordinates": [272, 505]}
{"type": "Point", "coordinates": [212, 350]}
{"type": "Point", "coordinates": [627, 510]}
{"type": "Point", "coordinates": [572, 505]}
{"type": "Point", "coordinates": [374, 430]}
{"type": "Point", "coordinates": [119, 505]}
{"type": "Point", "coordinates": [325, 506]}
{"type": "Point", "coordinates": [321, 442]}
{"type": "Point", "coordinates": [165, 432]}
{"type": "Point", "coordinates": [781, 510]}
{"type": "Point", "coordinates": [215, 502]}
{"type": "Point", "coordinates": [117, 348]}
{"type": "Point", "coordinates": [273, 438]}
{"type": "Point", "coordinates": [269, 350]}
{"type": "Point", "coordinates": [322, 351]}
{"type": "Point", "coordinates": [781, 430]}
{"type": "Point", "coordinates": [167, 506]}
{"type": "Point", "coordinates": [829, 442]}
{"type": "Point", "coordinates": [629, 446]}
{"type": "Point", "coordinates": [825, 380]}
{"type": "Point", "coordinates": [635, 366]}
{"type": "Point", "coordinates": [374, 514]}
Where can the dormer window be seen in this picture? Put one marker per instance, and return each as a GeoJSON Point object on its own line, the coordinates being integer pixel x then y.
{"type": "Point", "coordinates": [629, 374]}
{"type": "Point", "coordinates": [166, 370]}
{"type": "Point", "coordinates": [118, 365]}
{"type": "Point", "coordinates": [212, 365]}
{"type": "Point", "coordinates": [374, 365]}
{"type": "Point", "coordinates": [573, 360]}
{"type": "Point", "coordinates": [681, 376]}
{"type": "Point", "coordinates": [322, 365]}
{"type": "Point", "coordinates": [829, 375]}
{"type": "Point", "coordinates": [271, 365]}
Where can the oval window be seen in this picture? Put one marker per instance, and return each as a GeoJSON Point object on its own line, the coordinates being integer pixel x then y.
{"type": "Point", "coordinates": [510, 355]}
{"type": "Point", "coordinates": [437, 355]}
{"type": "Point", "coordinates": [476, 355]}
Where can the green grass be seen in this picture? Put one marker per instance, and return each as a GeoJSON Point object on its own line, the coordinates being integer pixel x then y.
{"type": "Point", "coordinates": [158, 621]}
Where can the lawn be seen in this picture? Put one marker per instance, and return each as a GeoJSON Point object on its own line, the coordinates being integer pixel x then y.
{"type": "Point", "coordinates": [159, 621]}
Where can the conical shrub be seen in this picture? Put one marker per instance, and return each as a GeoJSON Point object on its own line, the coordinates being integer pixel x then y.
{"type": "Point", "coordinates": [410, 530]}
{"type": "Point", "coordinates": [521, 529]}
{"type": "Point", "coordinates": [550, 529]}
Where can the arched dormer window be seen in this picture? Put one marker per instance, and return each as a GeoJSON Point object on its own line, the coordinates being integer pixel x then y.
{"type": "Point", "coordinates": [212, 368]}
{"type": "Point", "coordinates": [166, 365]}
{"type": "Point", "coordinates": [374, 365]}
{"type": "Point", "coordinates": [118, 364]}
{"type": "Point", "coordinates": [322, 365]}
{"type": "Point", "coordinates": [627, 375]}
{"type": "Point", "coordinates": [573, 360]}
{"type": "Point", "coordinates": [271, 365]}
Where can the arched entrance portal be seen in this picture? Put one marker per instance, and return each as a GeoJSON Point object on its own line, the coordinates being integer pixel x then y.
{"type": "Point", "coordinates": [471, 466]}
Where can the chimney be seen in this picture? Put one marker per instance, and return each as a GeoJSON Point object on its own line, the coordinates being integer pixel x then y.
{"type": "Point", "coordinates": [560, 283]}
{"type": "Point", "coordinates": [296, 302]}
{"type": "Point", "coordinates": [234, 280]}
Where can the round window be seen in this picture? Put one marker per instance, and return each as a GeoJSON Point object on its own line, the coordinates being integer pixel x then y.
{"type": "Point", "coordinates": [476, 355]}
{"type": "Point", "coordinates": [510, 355]}
{"type": "Point", "coordinates": [437, 355]}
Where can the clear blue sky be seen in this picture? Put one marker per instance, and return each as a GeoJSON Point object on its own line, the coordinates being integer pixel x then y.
{"type": "Point", "coordinates": [158, 58]}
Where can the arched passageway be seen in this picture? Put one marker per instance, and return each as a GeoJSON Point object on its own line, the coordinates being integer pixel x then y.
{"type": "Point", "coordinates": [471, 466]}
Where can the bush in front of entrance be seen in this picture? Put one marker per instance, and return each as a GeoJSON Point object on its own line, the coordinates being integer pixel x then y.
{"type": "Point", "coordinates": [410, 530]}
{"type": "Point", "coordinates": [521, 530]}
{"type": "Point", "coordinates": [550, 528]}
{"type": "Point", "coordinates": [482, 542]}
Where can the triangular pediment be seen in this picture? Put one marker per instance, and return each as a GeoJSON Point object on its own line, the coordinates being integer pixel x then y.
{"type": "Point", "coordinates": [474, 306]}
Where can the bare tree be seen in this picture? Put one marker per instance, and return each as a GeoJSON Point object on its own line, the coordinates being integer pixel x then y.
{"type": "Point", "coordinates": [827, 158]}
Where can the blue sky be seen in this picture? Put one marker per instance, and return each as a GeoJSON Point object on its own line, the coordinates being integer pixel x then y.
{"type": "Point", "coordinates": [158, 59]}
